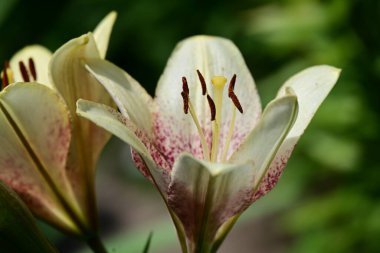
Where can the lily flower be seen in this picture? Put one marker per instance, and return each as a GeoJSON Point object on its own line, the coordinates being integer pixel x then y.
{"type": "Point", "coordinates": [203, 140]}
{"type": "Point", "coordinates": [54, 171]}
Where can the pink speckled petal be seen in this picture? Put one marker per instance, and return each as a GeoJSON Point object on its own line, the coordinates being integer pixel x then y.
{"type": "Point", "coordinates": [130, 97]}
{"type": "Point", "coordinates": [262, 143]}
{"type": "Point", "coordinates": [35, 137]}
{"type": "Point", "coordinates": [204, 195]}
{"type": "Point", "coordinates": [123, 128]}
{"type": "Point", "coordinates": [41, 57]}
{"type": "Point", "coordinates": [311, 86]}
{"type": "Point", "coordinates": [174, 130]}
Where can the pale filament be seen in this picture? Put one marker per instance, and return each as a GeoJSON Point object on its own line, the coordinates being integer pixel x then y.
{"type": "Point", "coordinates": [206, 151]}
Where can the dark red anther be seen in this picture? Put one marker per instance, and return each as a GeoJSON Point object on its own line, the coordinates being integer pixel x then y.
{"type": "Point", "coordinates": [32, 69]}
{"type": "Point", "coordinates": [236, 102]}
{"type": "Point", "coordinates": [212, 107]}
{"type": "Point", "coordinates": [203, 82]}
{"type": "Point", "coordinates": [185, 102]}
{"type": "Point", "coordinates": [5, 79]}
{"type": "Point", "coordinates": [231, 87]}
{"type": "Point", "coordinates": [24, 71]}
{"type": "Point", "coordinates": [185, 87]}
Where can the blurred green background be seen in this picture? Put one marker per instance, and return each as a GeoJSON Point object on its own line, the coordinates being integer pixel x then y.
{"type": "Point", "coordinates": [328, 199]}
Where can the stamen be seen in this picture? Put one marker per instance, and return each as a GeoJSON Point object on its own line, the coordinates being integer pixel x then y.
{"type": "Point", "coordinates": [187, 106]}
{"type": "Point", "coordinates": [185, 102]}
{"type": "Point", "coordinates": [236, 102]}
{"type": "Point", "coordinates": [231, 87]}
{"type": "Point", "coordinates": [206, 151]}
{"type": "Point", "coordinates": [203, 82]}
{"type": "Point", "coordinates": [216, 109]}
{"type": "Point", "coordinates": [236, 105]}
{"type": "Point", "coordinates": [185, 87]}
{"type": "Point", "coordinates": [24, 71]}
{"type": "Point", "coordinates": [232, 94]}
{"type": "Point", "coordinates": [32, 69]}
{"type": "Point", "coordinates": [212, 107]}
{"type": "Point", "coordinates": [5, 79]}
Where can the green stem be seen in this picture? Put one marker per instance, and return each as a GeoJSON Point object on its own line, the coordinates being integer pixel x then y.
{"type": "Point", "coordinates": [202, 244]}
{"type": "Point", "coordinates": [96, 244]}
{"type": "Point", "coordinates": [219, 240]}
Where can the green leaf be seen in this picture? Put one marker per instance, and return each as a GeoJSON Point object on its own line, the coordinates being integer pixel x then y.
{"type": "Point", "coordinates": [18, 230]}
{"type": "Point", "coordinates": [147, 245]}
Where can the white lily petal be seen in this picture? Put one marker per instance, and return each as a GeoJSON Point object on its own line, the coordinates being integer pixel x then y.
{"type": "Point", "coordinates": [35, 135]}
{"type": "Point", "coordinates": [69, 75]}
{"type": "Point", "coordinates": [41, 57]}
{"type": "Point", "coordinates": [311, 87]}
{"type": "Point", "coordinates": [212, 56]}
{"type": "Point", "coordinates": [103, 31]}
{"type": "Point", "coordinates": [131, 98]}
{"type": "Point", "coordinates": [73, 81]}
{"type": "Point", "coordinates": [204, 195]}
{"type": "Point", "coordinates": [109, 119]}
{"type": "Point", "coordinates": [264, 141]}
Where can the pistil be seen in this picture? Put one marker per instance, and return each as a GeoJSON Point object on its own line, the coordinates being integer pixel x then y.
{"type": "Point", "coordinates": [218, 84]}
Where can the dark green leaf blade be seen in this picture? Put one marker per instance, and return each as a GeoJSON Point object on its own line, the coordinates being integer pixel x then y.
{"type": "Point", "coordinates": [147, 245]}
{"type": "Point", "coordinates": [18, 230]}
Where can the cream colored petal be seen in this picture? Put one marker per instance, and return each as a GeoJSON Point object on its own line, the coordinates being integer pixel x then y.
{"type": "Point", "coordinates": [115, 123]}
{"type": "Point", "coordinates": [35, 137]}
{"type": "Point", "coordinates": [103, 31]}
{"type": "Point", "coordinates": [311, 86]}
{"type": "Point", "coordinates": [212, 56]}
{"type": "Point", "coordinates": [73, 81]}
{"type": "Point", "coordinates": [204, 195]}
{"type": "Point", "coordinates": [41, 57]}
{"type": "Point", "coordinates": [262, 143]}
{"type": "Point", "coordinates": [132, 99]}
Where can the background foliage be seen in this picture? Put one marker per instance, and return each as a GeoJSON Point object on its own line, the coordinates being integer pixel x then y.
{"type": "Point", "coordinates": [328, 199]}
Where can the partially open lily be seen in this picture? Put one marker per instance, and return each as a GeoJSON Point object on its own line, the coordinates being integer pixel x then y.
{"type": "Point", "coordinates": [61, 193]}
{"type": "Point", "coordinates": [207, 146]}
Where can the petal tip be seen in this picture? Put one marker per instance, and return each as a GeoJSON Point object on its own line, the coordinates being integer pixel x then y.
{"type": "Point", "coordinates": [204, 37]}
{"type": "Point", "coordinates": [112, 15]}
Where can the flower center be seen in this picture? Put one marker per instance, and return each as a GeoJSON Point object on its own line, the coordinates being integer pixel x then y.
{"type": "Point", "coordinates": [28, 72]}
{"type": "Point", "coordinates": [216, 106]}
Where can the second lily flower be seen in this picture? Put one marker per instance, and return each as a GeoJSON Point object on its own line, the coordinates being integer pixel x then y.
{"type": "Point", "coordinates": [59, 149]}
{"type": "Point", "coordinates": [203, 141]}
